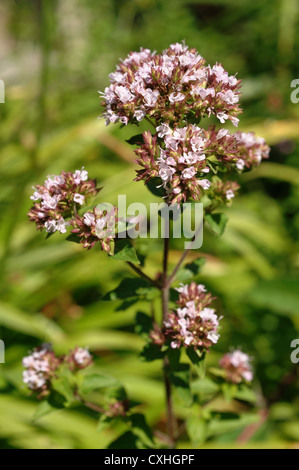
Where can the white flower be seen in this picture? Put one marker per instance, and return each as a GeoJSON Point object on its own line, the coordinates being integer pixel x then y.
{"type": "Point", "coordinates": [100, 223]}
{"type": "Point", "coordinates": [89, 219]}
{"type": "Point", "coordinates": [229, 194]}
{"type": "Point", "coordinates": [176, 96]}
{"type": "Point", "coordinates": [163, 130]}
{"type": "Point", "coordinates": [182, 289]}
{"type": "Point", "coordinates": [50, 202]}
{"type": "Point", "coordinates": [247, 375]}
{"type": "Point", "coordinates": [33, 379]}
{"type": "Point", "coordinates": [235, 121]}
{"type": "Point", "coordinates": [229, 97]}
{"type": "Point", "coordinates": [79, 198]}
{"type": "Point", "coordinates": [36, 196]}
{"type": "Point", "coordinates": [61, 225]}
{"type": "Point", "coordinates": [51, 226]}
{"type": "Point", "coordinates": [81, 355]}
{"type": "Point", "coordinates": [151, 97]}
{"type": "Point", "coordinates": [170, 161]}
{"type": "Point", "coordinates": [165, 171]}
{"type": "Point", "coordinates": [123, 94]}
{"type": "Point", "coordinates": [139, 114]}
{"type": "Point", "coordinates": [222, 133]}
{"type": "Point", "coordinates": [238, 358]}
{"type": "Point", "coordinates": [204, 183]}
{"type": "Point", "coordinates": [54, 180]}
{"type": "Point", "coordinates": [80, 176]}
{"type": "Point", "coordinates": [222, 117]}
{"type": "Point", "coordinates": [209, 314]}
{"type": "Point", "coordinates": [201, 288]}
{"type": "Point", "coordinates": [189, 172]}
{"type": "Point", "coordinates": [240, 164]}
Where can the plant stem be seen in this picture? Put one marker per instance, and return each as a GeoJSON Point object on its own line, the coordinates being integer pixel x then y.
{"type": "Point", "coordinates": [171, 424]}
{"type": "Point", "coordinates": [88, 404]}
{"type": "Point", "coordinates": [142, 274]}
{"type": "Point", "coordinates": [172, 275]}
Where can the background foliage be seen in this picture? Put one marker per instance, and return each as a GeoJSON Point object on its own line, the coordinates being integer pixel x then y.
{"type": "Point", "coordinates": [55, 55]}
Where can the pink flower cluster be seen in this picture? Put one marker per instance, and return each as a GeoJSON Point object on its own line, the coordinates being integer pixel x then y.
{"type": "Point", "coordinates": [96, 226]}
{"type": "Point", "coordinates": [250, 149]}
{"type": "Point", "coordinates": [79, 358]}
{"type": "Point", "coordinates": [40, 367]}
{"type": "Point", "coordinates": [237, 367]}
{"type": "Point", "coordinates": [58, 199]}
{"type": "Point", "coordinates": [193, 323]}
{"type": "Point", "coordinates": [170, 86]}
{"type": "Point", "coordinates": [223, 191]}
{"type": "Point", "coordinates": [183, 157]}
{"type": "Point", "coordinates": [42, 364]}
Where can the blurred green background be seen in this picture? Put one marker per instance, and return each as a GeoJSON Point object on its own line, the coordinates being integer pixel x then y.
{"type": "Point", "coordinates": [55, 56]}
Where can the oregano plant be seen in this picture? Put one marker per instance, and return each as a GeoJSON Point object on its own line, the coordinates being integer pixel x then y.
{"type": "Point", "coordinates": [180, 162]}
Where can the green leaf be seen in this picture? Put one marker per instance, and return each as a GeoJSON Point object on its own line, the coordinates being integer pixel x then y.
{"type": "Point", "coordinates": [135, 140]}
{"type": "Point", "coordinates": [244, 393]}
{"type": "Point", "coordinates": [62, 386]}
{"type": "Point", "coordinates": [73, 237]}
{"type": "Point", "coordinates": [151, 352]}
{"type": "Point", "coordinates": [143, 324]}
{"type": "Point", "coordinates": [127, 440]}
{"type": "Point", "coordinates": [94, 382]}
{"type": "Point", "coordinates": [197, 429]}
{"type": "Point", "coordinates": [229, 391]}
{"type": "Point", "coordinates": [154, 186]}
{"type": "Point", "coordinates": [173, 357]}
{"type": "Point", "coordinates": [198, 361]}
{"type": "Point", "coordinates": [141, 429]}
{"type": "Point", "coordinates": [180, 379]}
{"type": "Point", "coordinates": [44, 408]}
{"type": "Point", "coordinates": [104, 422]}
{"type": "Point", "coordinates": [124, 251]}
{"type": "Point", "coordinates": [217, 222]}
{"type": "Point", "coordinates": [190, 270]}
{"type": "Point", "coordinates": [132, 288]}
{"type": "Point", "coordinates": [228, 422]}
{"type": "Point", "coordinates": [204, 388]}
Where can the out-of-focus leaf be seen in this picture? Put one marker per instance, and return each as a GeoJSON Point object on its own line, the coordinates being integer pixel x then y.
{"type": "Point", "coordinates": [43, 409]}
{"type": "Point", "coordinates": [244, 393]}
{"type": "Point", "coordinates": [226, 422]}
{"type": "Point", "coordinates": [276, 171]}
{"type": "Point", "coordinates": [62, 386]}
{"type": "Point", "coordinates": [190, 270]}
{"type": "Point", "coordinates": [151, 352]}
{"type": "Point", "coordinates": [217, 222]}
{"type": "Point", "coordinates": [104, 422]}
{"type": "Point", "coordinates": [132, 288]}
{"type": "Point", "coordinates": [94, 382]}
{"type": "Point", "coordinates": [30, 324]}
{"type": "Point", "coordinates": [279, 295]}
{"type": "Point", "coordinates": [143, 324]}
{"type": "Point", "coordinates": [196, 429]}
{"type": "Point", "coordinates": [204, 388]}
{"type": "Point", "coordinates": [141, 429]}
